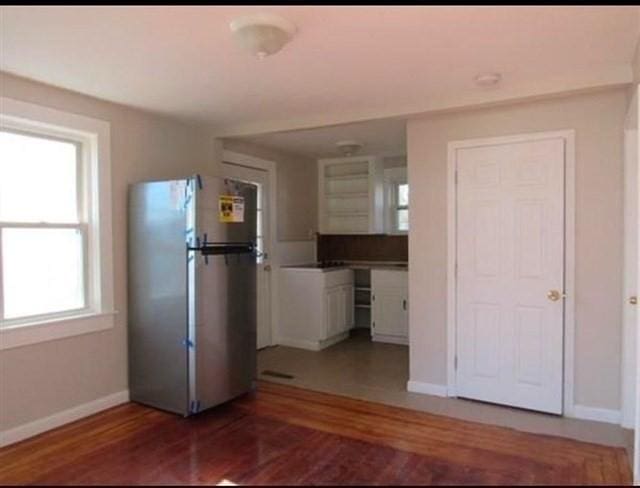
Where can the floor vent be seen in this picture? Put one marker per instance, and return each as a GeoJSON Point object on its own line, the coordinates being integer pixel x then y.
{"type": "Point", "coordinates": [276, 374]}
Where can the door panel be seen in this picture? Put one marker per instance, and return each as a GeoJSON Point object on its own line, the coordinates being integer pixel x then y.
{"type": "Point", "coordinates": [510, 254]}
{"type": "Point", "coordinates": [631, 217]}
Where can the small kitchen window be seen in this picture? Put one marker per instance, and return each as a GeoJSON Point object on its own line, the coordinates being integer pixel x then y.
{"type": "Point", "coordinates": [402, 207]}
{"type": "Point", "coordinates": [55, 225]}
{"type": "Point", "coordinates": [397, 200]}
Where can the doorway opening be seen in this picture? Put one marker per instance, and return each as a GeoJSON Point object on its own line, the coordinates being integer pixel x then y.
{"type": "Point", "coordinates": [340, 286]}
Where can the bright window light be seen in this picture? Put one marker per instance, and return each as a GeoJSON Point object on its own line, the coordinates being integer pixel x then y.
{"type": "Point", "coordinates": [38, 179]}
{"type": "Point", "coordinates": [402, 207]}
{"type": "Point", "coordinates": [42, 271]}
{"type": "Point", "coordinates": [43, 238]}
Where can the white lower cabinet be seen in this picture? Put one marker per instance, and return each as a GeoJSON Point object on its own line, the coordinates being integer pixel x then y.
{"type": "Point", "coordinates": [339, 309]}
{"type": "Point", "coordinates": [390, 306]}
{"type": "Point", "coordinates": [316, 307]}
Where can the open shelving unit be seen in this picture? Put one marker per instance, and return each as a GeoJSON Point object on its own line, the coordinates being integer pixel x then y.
{"type": "Point", "coordinates": [362, 290]}
{"type": "Point", "coordinates": [349, 188]}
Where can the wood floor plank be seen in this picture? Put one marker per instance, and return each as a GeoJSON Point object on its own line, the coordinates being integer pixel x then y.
{"type": "Point", "coordinates": [285, 435]}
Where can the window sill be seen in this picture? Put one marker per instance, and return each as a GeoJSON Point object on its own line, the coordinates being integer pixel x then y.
{"type": "Point", "coordinates": [52, 329]}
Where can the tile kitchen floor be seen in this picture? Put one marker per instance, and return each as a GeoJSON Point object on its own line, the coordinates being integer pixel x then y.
{"type": "Point", "coordinates": [376, 372]}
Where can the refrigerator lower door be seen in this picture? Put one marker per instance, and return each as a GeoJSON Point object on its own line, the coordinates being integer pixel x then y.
{"type": "Point", "coordinates": [222, 299]}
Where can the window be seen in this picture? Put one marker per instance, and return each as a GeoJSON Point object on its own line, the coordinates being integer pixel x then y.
{"type": "Point", "coordinates": [55, 222]}
{"type": "Point", "coordinates": [397, 200]}
{"type": "Point", "coordinates": [402, 207]}
{"type": "Point", "coordinates": [43, 228]}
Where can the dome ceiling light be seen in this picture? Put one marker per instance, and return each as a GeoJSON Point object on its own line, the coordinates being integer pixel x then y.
{"type": "Point", "coordinates": [349, 148]}
{"type": "Point", "coordinates": [262, 34]}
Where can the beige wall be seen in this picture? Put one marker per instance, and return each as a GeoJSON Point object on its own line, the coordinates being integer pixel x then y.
{"type": "Point", "coordinates": [42, 379]}
{"type": "Point", "coordinates": [598, 121]}
{"type": "Point", "coordinates": [297, 199]}
{"type": "Point", "coordinates": [395, 162]}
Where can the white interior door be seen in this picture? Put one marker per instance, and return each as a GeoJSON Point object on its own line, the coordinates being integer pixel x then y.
{"type": "Point", "coordinates": [630, 265]}
{"type": "Point", "coordinates": [635, 203]}
{"type": "Point", "coordinates": [260, 178]}
{"type": "Point", "coordinates": [510, 278]}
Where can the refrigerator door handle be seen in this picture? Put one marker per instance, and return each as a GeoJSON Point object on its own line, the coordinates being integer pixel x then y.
{"type": "Point", "coordinates": [217, 248]}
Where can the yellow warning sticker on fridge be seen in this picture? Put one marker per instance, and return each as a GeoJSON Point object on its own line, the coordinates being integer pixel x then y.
{"type": "Point", "coordinates": [231, 208]}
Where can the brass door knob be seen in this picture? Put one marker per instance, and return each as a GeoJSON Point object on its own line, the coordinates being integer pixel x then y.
{"type": "Point", "coordinates": [633, 300]}
{"type": "Point", "coordinates": [555, 295]}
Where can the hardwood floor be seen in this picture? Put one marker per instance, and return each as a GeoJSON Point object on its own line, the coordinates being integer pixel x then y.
{"type": "Point", "coordinates": [285, 435]}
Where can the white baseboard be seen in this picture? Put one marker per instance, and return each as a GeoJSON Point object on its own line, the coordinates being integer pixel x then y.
{"type": "Point", "coordinates": [312, 345]}
{"type": "Point", "coordinates": [66, 416]}
{"type": "Point", "coordinates": [389, 339]}
{"type": "Point", "coordinates": [597, 414]}
{"type": "Point", "coordinates": [300, 344]}
{"type": "Point", "coordinates": [427, 388]}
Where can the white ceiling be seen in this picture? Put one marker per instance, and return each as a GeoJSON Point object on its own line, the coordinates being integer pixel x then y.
{"type": "Point", "coordinates": [345, 63]}
{"type": "Point", "coordinates": [381, 137]}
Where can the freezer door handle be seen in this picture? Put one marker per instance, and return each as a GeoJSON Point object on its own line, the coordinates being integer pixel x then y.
{"type": "Point", "coordinates": [217, 248]}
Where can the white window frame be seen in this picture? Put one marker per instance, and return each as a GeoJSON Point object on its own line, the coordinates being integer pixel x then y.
{"type": "Point", "coordinates": [392, 178]}
{"type": "Point", "coordinates": [93, 138]}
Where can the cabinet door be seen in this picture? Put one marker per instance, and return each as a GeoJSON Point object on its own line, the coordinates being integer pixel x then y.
{"type": "Point", "coordinates": [389, 316]}
{"type": "Point", "coordinates": [347, 300]}
{"type": "Point", "coordinates": [404, 324]}
{"type": "Point", "coordinates": [333, 310]}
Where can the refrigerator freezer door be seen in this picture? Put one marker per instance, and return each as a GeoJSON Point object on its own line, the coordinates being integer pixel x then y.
{"type": "Point", "coordinates": [222, 289]}
{"type": "Point", "coordinates": [157, 295]}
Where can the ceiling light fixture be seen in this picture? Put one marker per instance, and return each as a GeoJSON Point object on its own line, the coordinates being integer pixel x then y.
{"type": "Point", "coordinates": [349, 148]}
{"type": "Point", "coordinates": [488, 79]}
{"type": "Point", "coordinates": [262, 34]}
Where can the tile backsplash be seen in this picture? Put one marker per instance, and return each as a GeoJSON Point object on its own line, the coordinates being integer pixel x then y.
{"type": "Point", "coordinates": [377, 247]}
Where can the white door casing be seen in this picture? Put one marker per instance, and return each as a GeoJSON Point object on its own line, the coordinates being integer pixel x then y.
{"type": "Point", "coordinates": [510, 235]}
{"type": "Point", "coordinates": [259, 176]}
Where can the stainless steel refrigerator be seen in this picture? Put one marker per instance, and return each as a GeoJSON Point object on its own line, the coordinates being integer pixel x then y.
{"type": "Point", "coordinates": [192, 292]}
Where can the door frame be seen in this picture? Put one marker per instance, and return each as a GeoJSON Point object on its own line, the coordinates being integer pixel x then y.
{"type": "Point", "coordinates": [253, 162]}
{"type": "Point", "coordinates": [569, 259]}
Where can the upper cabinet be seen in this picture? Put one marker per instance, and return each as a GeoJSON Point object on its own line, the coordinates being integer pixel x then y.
{"type": "Point", "coordinates": [351, 195]}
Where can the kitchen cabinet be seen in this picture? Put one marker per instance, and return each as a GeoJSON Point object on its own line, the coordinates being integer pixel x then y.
{"type": "Point", "coordinates": [390, 306]}
{"type": "Point", "coordinates": [339, 309]}
{"type": "Point", "coordinates": [316, 307]}
{"type": "Point", "coordinates": [351, 195]}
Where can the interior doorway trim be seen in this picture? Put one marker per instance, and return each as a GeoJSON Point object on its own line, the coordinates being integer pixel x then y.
{"type": "Point", "coordinates": [270, 167]}
{"type": "Point", "coordinates": [569, 262]}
